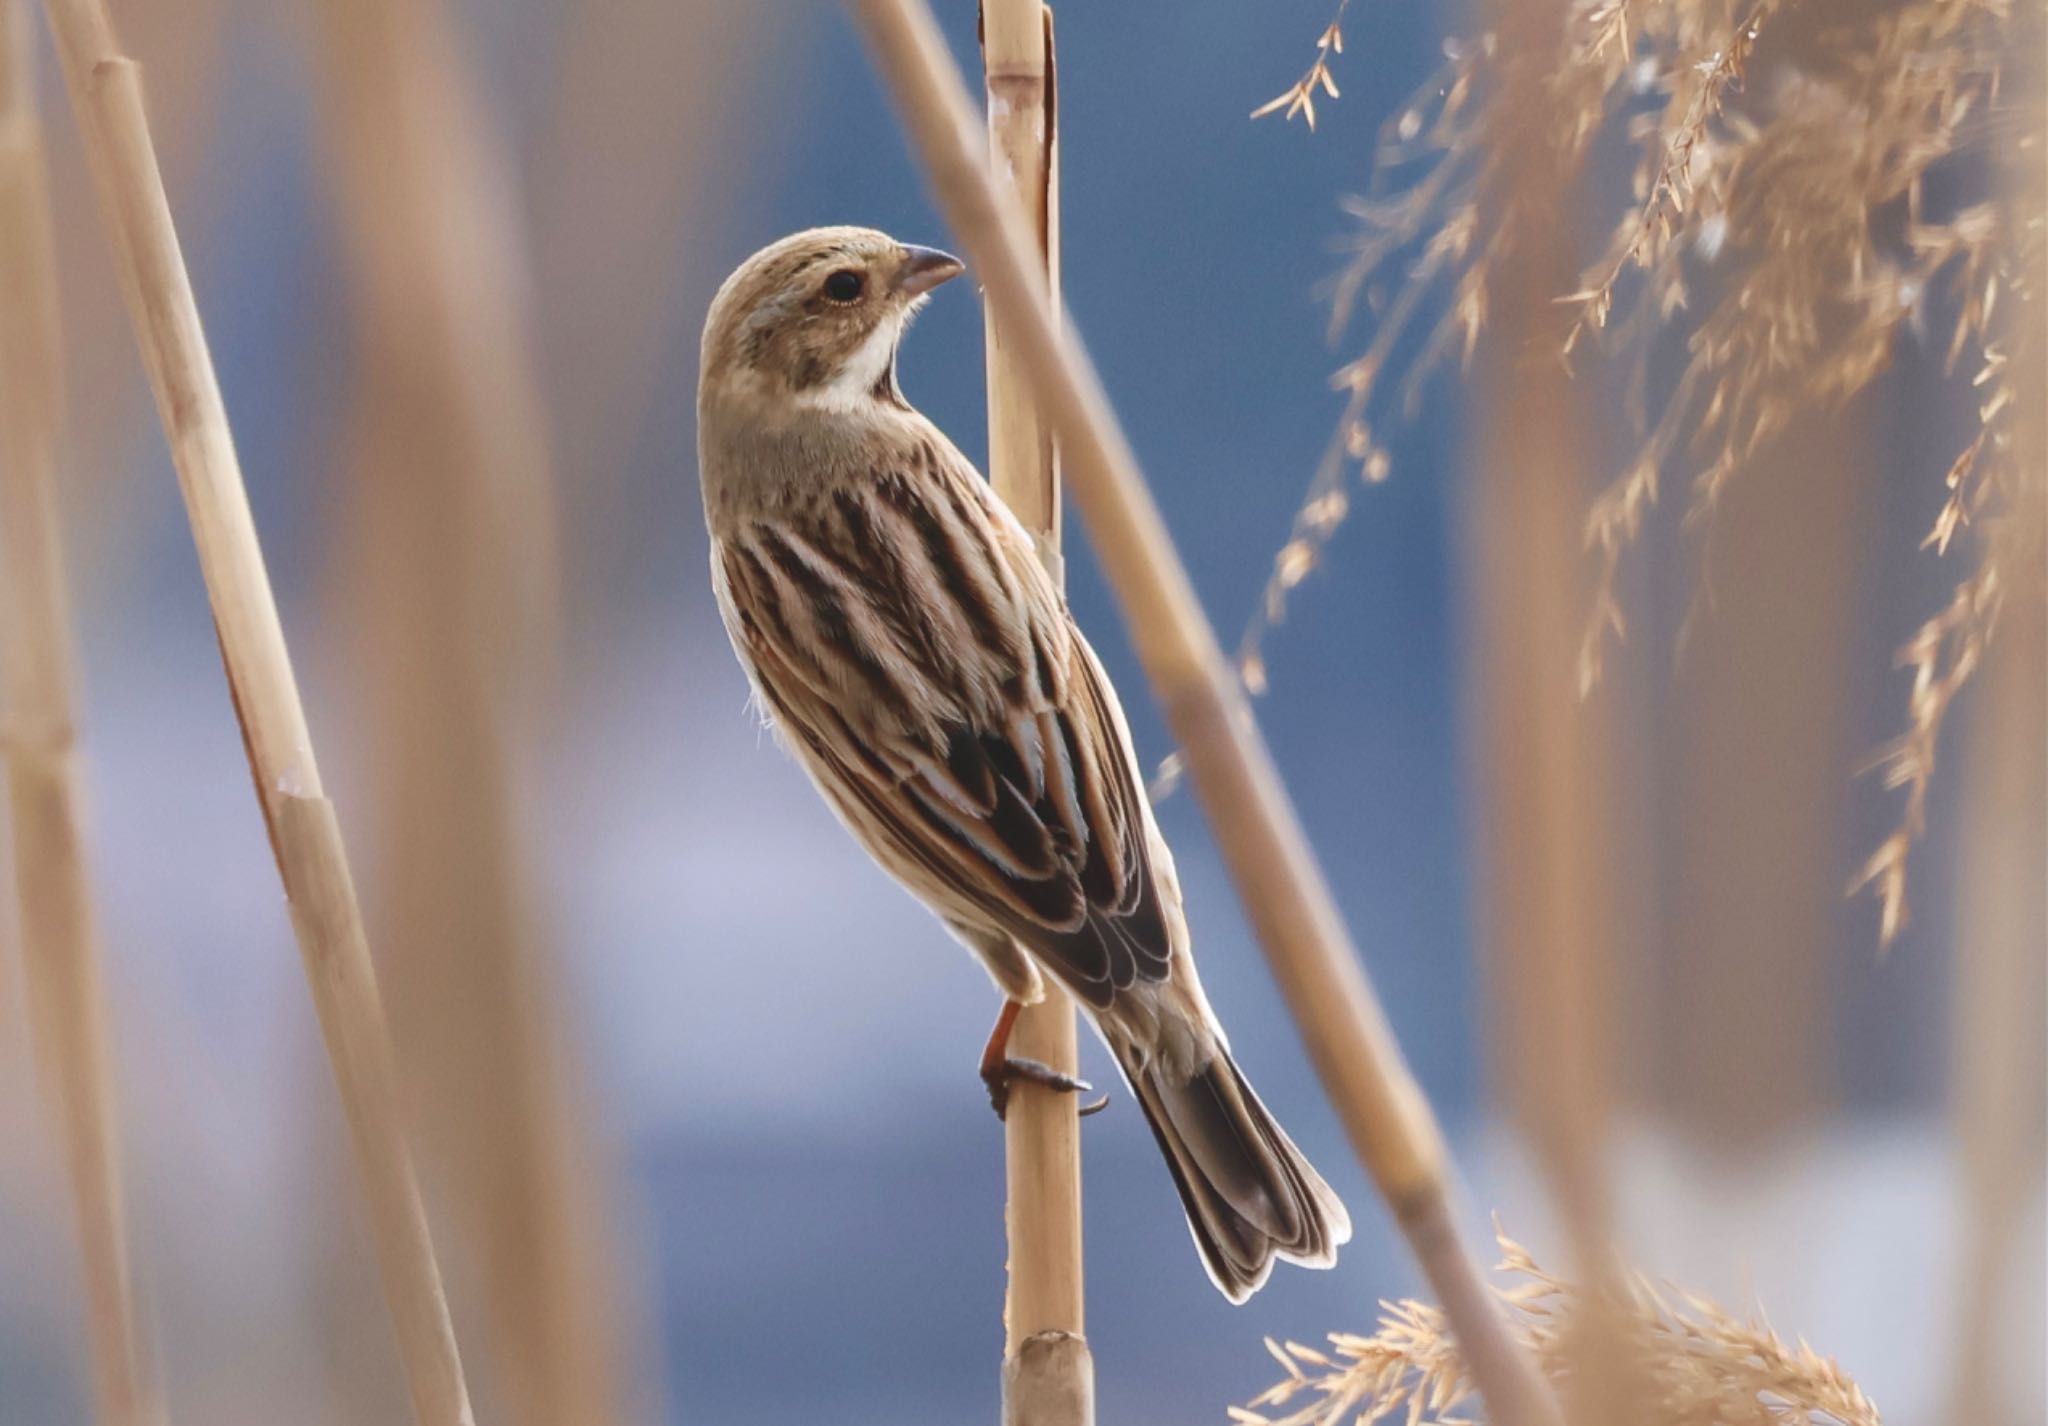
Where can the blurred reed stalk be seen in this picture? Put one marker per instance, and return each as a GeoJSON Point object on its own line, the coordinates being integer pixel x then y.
{"type": "Point", "coordinates": [1762, 760]}
{"type": "Point", "coordinates": [1549, 847]}
{"type": "Point", "coordinates": [1048, 1372]}
{"type": "Point", "coordinates": [1761, 743]}
{"type": "Point", "coordinates": [451, 581]}
{"type": "Point", "coordinates": [1999, 1083]}
{"type": "Point", "coordinates": [38, 735]}
{"type": "Point", "coordinates": [652, 87]}
{"type": "Point", "coordinates": [106, 96]}
{"type": "Point", "coordinates": [185, 45]}
{"type": "Point", "coordinates": [1391, 1126]}
{"type": "Point", "coordinates": [1997, 1099]}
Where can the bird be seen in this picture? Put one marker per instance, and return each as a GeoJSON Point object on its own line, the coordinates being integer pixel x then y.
{"type": "Point", "coordinates": [907, 647]}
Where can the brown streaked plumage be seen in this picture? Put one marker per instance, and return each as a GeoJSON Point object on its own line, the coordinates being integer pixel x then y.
{"type": "Point", "coordinates": [912, 654]}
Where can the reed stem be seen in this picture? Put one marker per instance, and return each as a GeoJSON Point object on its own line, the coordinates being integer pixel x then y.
{"type": "Point", "coordinates": [60, 937]}
{"type": "Point", "coordinates": [106, 95]}
{"type": "Point", "coordinates": [1048, 1373]}
{"type": "Point", "coordinates": [453, 589]}
{"type": "Point", "coordinates": [1289, 903]}
{"type": "Point", "coordinates": [1998, 1094]}
{"type": "Point", "coordinates": [1549, 848]}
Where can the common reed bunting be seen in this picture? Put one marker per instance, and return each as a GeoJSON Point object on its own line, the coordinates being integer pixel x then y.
{"type": "Point", "coordinates": [909, 650]}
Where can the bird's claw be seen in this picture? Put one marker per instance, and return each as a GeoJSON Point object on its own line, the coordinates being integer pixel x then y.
{"type": "Point", "coordinates": [1004, 1072]}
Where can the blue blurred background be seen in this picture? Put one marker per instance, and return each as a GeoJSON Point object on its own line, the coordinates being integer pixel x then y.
{"type": "Point", "coordinates": [778, 1044]}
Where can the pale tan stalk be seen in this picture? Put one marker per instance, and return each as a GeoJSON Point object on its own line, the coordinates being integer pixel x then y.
{"type": "Point", "coordinates": [1284, 892]}
{"type": "Point", "coordinates": [38, 732]}
{"type": "Point", "coordinates": [186, 44]}
{"type": "Point", "coordinates": [106, 94]}
{"type": "Point", "coordinates": [1048, 1373]}
{"type": "Point", "coordinates": [1763, 754]}
{"type": "Point", "coordinates": [1551, 857]}
{"type": "Point", "coordinates": [1549, 851]}
{"type": "Point", "coordinates": [1998, 1096]}
{"type": "Point", "coordinates": [1762, 742]}
{"type": "Point", "coordinates": [451, 584]}
{"type": "Point", "coordinates": [649, 86]}
{"type": "Point", "coordinates": [1997, 1099]}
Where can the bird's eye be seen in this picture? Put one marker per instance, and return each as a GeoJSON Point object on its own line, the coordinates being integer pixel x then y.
{"type": "Point", "coordinates": [844, 285]}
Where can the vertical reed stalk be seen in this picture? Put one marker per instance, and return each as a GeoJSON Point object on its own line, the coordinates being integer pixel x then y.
{"type": "Point", "coordinates": [1996, 1104]}
{"type": "Point", "coordinates": [650, 86]}
{"type": "Point", "coordinates": [59, 938]}
{"type": "Point", "coordinates": [187, 46]}
{"type": "Point", "coordinates": [106, 95]}
{"type": "Point", "coordinates": [1763, 765]}
{"type": "Point", "coordinates": [1550, 854]}
{"type": "Point", "coordinates": [1048, 1373]}
{"type": "Point", "coordinates": [1999, 1081]}
{"type": "Point", "coordinates": [1546, 758]}
{"type": "Point", "coordinates": [1764, 758]}
{"type": "Point", "coordinates": [451, 585]}
{"type": "Point", "coordinates": [1284, 892]}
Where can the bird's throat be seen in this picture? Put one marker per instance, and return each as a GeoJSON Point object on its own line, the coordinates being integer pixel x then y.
{"type": "Point", "coordinates": [885, 389]}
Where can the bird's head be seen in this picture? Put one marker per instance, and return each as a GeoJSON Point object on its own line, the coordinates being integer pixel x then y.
{"type": "Point", "coordinates": [816, 317]}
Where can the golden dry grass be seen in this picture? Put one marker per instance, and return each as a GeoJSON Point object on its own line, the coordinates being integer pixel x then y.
{"type": "Point", "coordinates": [1780, 223]}
{"type": "Point", "coordinates": [1698, 1364]}
{"type": "Point", "coordinates": [1300, 97]}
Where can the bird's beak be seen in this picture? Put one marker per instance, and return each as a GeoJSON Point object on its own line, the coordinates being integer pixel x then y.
{"type": "Point", "coordinates": [923, 269]}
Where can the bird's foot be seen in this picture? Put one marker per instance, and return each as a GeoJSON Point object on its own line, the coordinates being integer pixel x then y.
{"type": "Point", "coordinates": [999, 1068]}
{"type": "Point", "coordinates": [1001, 1074]}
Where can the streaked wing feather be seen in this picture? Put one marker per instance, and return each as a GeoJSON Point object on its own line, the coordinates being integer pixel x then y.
{"type": "Point", "coordinates": [988, 772]}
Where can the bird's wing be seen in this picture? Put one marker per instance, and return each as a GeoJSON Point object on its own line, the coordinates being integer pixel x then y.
{"type": "Point", "coordinates": [925, 670]}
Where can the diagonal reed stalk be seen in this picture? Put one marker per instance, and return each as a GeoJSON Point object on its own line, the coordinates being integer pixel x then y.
{"type": "Point", "coordinates": [60, 940]}
{"type": "Point", "coordinates": [106, 95]}
{"type": "Point", "coordinates": [1391, 1126]}
{"type": "Point", "coordinates": [1048, 1373]}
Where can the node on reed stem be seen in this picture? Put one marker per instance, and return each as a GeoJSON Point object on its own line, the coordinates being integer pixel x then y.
{"type": "Point", "coordinates": [1048, 1373]}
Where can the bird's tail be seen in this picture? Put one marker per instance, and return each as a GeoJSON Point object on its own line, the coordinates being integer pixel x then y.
{"type": "Point", "coordinates": [1250, 1195]}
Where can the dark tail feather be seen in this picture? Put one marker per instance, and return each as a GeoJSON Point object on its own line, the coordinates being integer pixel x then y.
{"type": "Point", "coordinates": [1250, 1195]}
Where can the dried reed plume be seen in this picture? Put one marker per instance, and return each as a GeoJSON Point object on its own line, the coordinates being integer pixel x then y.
{"type": "Point", "coordinates": [1699, 1365]}
{"type": "Point", "coordinates": [1300, 97]}
{"type": "Point", "coordinates": [1780, 222]}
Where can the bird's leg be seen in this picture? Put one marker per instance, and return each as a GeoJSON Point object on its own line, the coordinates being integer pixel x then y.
{"type": "Point", "coordinates": [999, 1067]}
